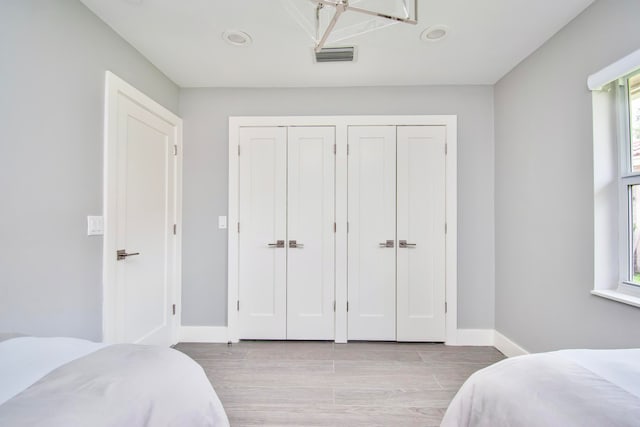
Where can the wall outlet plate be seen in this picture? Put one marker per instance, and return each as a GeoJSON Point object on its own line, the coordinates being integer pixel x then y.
{"type": "Point", "coordinates": [222, 222]}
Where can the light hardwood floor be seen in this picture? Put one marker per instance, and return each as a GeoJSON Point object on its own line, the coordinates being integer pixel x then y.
{"type": "Point", "coordinates": [327, 384]}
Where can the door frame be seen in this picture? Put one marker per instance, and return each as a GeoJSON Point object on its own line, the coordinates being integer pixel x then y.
{"type": "Point", "coordinates": [341, 124]}
{"type": "Point", "coordinates": [115, 86]}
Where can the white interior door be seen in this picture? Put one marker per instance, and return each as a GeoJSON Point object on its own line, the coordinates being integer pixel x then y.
{"type": "Point", "coordinates": [145, 217]}
{"type": "Point", "coordinates": [263, 220]}
{"type": "Point", "coordinates": [372, 233]}
{"type": "Point", "coordinates": [311, 247]}
{"type": "Point", "coordinates": [421, 233]}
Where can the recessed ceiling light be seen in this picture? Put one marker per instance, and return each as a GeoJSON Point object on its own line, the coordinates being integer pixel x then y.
{"type": "Point", "coordinates": [434, 33]}
{"type": "Point", "coordinates": [237, 38]}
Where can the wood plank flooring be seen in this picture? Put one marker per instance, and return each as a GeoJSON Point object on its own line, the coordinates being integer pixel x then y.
{"type": "Point", "coordinates": [274, 383]}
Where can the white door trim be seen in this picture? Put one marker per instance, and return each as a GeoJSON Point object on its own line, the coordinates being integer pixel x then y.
{"type": "Point", "coordinates": [341, 123]}
{"type": "Point", "coordinates": [115, 86]}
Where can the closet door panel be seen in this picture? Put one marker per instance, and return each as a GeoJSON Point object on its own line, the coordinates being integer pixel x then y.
{"type": "Point", "coordinates": [421, 224]}
{"type": "Point", "coordinates": [262, 213]}
{"type": "Point", "coordinates": [311, 260]}
{"type": "Point", "coordinates": [372, 222]}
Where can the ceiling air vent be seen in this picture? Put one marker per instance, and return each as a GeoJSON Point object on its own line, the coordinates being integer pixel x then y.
{"type": "Point", "coordinates": [335, 54]}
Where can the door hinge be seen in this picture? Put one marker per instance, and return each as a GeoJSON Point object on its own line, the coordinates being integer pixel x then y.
{"type": "Point", "coordinates": [335, 227]}
{"type": "Point", "coordinates": [175, 229]}
{"type": "Point", "coordinates": [347, 227]}
{"type": "Point", "coordinates": [175, 150]}
{"type": "Point", "coordinates": [445, 307]}
{"type": "Point", "coordinates": [348, 149]}
{"type": "Point", "coordinates": [238, 150]}
{"type": "Point", "coordinates": [238, 227]}
{"type": "Point", "coordinates": [446, 149]}
{"type": "Point", "coordinates": [238, 305]}
{"type": "Point", "coordinates": [334, 306]}
{"type": "Point", "coordinates": [335, 149]}
{"type": "Point", "coordinates": [174, 309]}
{"type": "Point", "coordinates": [445, 228]}
{"type": "Point", "coordinates": [347, 306]}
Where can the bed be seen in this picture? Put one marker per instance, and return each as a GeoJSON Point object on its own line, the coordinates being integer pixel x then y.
{"type": "Point", "coordinates": [563, 388]}
{"type": "Point", "coordinates": [72, 382]}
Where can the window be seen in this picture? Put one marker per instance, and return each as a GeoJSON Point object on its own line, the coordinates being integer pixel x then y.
{"type": "Point", "coordinates": [616, 180]}
{"type": "Point", "coordinates": [629, 146]}
{"type": "Point", "coordinates": [633, 91]}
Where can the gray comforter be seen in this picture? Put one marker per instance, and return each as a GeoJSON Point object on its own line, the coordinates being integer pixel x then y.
{"type": "Point", "coordinates": [119, 385]}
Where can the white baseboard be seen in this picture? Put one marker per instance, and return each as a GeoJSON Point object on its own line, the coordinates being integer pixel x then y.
{"type": "Point", "coordinates": [489, 337]}
{"type": "Point", "coordinates": [204, 334]}
{"type": "Point", "coordinates": [468, 337]}
{"type": "Point", "coordinates": [475, 337]}
{"type": "Point", "coordinates": [506, 346]}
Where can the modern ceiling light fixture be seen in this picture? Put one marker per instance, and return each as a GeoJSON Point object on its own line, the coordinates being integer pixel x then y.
{"type": "Point", "coordinates": [237, 38]}
{"type": "Point", "coordinates": [342, 6]}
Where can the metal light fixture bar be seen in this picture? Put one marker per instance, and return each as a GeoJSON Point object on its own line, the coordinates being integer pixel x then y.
{"type": "Point", "coordinates": [342, 6]}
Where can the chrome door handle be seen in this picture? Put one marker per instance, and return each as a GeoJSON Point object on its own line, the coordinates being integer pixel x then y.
{"type": "Point", "coordinates": [387, 244]}
{"type": "Point", "coordinates": [277, 244]}
{"type": "Point", "coordinates": [404, 244]}
{"type": "Point", "coordinates": [122, 254]}
{"type": "Point", "coordinates": [293, 244]}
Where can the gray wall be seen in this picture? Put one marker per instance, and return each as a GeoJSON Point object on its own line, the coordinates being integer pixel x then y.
{"type": "Point", "coordinates": [544, 189]}
{"type": "Point", "coordinates": [205, 113]}
{"type": "Point", "coordinates": [53, 56]}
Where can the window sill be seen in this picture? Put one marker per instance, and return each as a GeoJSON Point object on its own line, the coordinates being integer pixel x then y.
{"type": "Point", "coordinates": [618, 296]}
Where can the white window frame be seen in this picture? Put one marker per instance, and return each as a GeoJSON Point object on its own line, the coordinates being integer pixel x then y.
{"type": "Point", "coordinates": [626, 180]}
{"type": "Point", "coordinates": [613, 80]}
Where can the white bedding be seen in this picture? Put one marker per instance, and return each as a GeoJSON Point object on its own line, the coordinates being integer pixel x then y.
{"type": "Point", "coordinates": [564, 388]}
{"type": "Point", "coordinates": [621, 367]}
{"type": "Point", "coordinates": [25, 360]}
{"type": "Point", "coordinates": [65, 382]}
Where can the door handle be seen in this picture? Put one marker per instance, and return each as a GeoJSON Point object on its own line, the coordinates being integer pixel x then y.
{"type": "Point", "coordinates": [122, 254]}
{"type": "Point", "coordinates": [387, 244]}
{"type": "Point", "coordinates": [293, 244]}
{"type": "Point", "coordinates": [277, 244]}
{"type": "Point", "coordinates": [404, 244]}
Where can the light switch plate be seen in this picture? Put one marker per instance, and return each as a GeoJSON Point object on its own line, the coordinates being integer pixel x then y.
{"type": "Point", "coordinates": [95, 226]}
{"type": "Point", "coordinates": [222, 222]}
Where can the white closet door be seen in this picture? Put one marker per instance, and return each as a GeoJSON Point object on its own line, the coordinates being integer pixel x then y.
{"type": "Point", "coordinates": [372, 222]}
{"type": "Point", "coordinates": [263, 219]}
{"type": "Point", "coordinates": [310, 259]}
{"type": "Point", "coordinates": [421, 224]}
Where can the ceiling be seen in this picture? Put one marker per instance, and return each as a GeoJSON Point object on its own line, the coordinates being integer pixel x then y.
{"type": "Point", "coordinates": [486, 39]}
